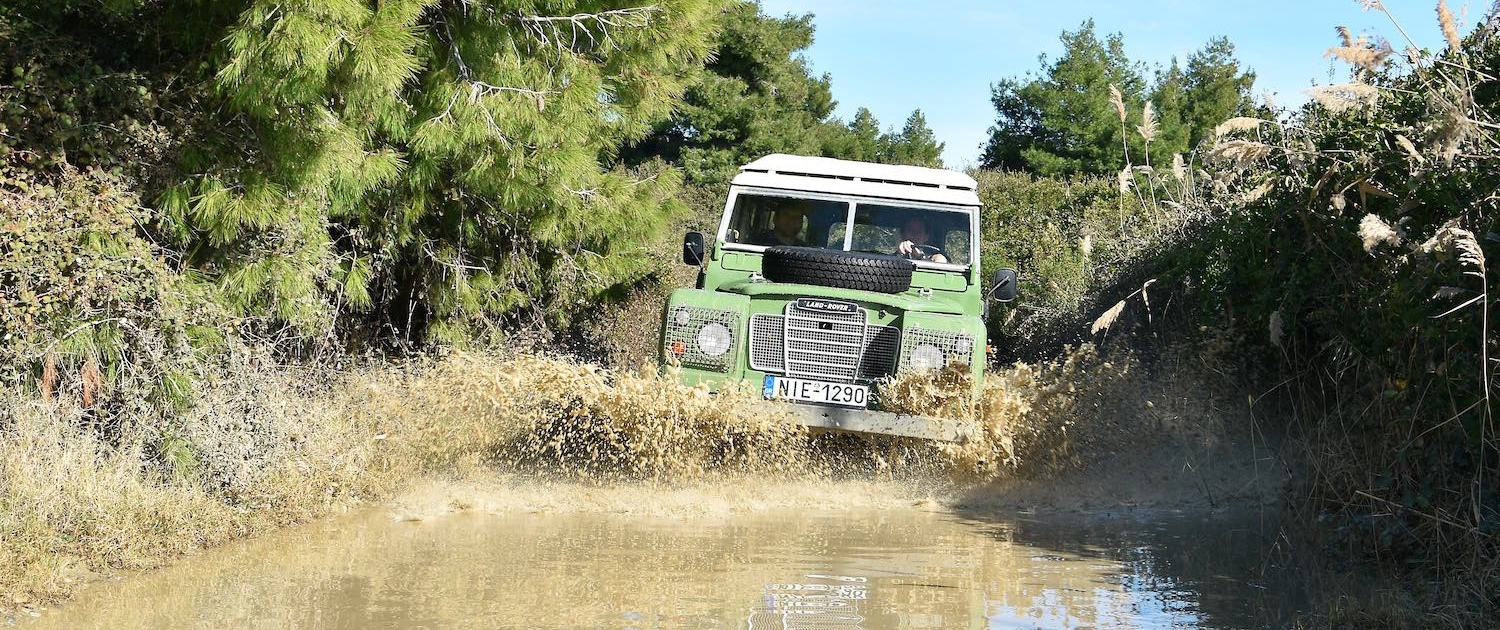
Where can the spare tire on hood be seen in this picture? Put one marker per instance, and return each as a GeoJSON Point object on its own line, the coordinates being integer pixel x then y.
{"type": "Point", "coordinates": [879, 273]}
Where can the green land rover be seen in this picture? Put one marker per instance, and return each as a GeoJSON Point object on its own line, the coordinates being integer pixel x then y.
{"type": "Point", "coordinates": [827, 278]}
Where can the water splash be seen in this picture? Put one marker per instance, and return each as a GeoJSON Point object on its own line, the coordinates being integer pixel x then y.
{"type": "Point", "coordinates": [553, 418]}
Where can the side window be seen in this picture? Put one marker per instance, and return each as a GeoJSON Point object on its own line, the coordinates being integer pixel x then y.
{"type": "Point", "coordinates": [749, 218]}
{"type": "Point", "coordinates": [836, 234]}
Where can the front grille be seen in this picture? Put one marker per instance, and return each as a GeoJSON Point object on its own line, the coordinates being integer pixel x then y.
{"type": "Point", "coordinates": [881, 343]}
{"type": "Point", "coordinates": [768, 350]}
{"type": "Point", "coordinates": [824, 346]}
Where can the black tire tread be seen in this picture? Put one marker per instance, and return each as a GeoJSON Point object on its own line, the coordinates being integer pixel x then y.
{"type": "Point", "coordinates": [859, 271]}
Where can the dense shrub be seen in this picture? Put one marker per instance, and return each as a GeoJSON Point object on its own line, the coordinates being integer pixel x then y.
{"type": "Point", "coordinates": [1368, 271]}
{"type": "Point", "coordinates": [88, 309]}
{"type": "Point", "coordinates": [1079, 246]}
{"type": "Point", "coordinates": [1346, 257]}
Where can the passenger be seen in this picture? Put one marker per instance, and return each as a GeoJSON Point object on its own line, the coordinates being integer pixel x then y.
{"type": "Point", "coordinates": [786, 226]}
{"type": "Point", "coordinates": [914, 245]}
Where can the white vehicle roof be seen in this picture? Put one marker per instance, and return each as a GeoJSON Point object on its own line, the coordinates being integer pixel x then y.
{"type": "Point", "coordinates": [845, 177]}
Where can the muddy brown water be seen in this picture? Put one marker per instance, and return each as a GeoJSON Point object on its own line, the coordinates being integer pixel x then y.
{"type": "Point", "coordinates": [872, 565]}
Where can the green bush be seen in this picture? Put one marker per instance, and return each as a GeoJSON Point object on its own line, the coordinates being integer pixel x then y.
{"type": "Point", "coordinates": [1078, 245]}
{"type": "Point", "coordinates": [1370, 270]}
{"type": "Point", "coordinates": [1347, 257]}
{"type": "Point", "coordinates": [1352, 257]}
{"type": "Point", "coordinates": [88, 309]}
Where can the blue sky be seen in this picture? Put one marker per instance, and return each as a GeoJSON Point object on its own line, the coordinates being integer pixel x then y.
{"type": "Point", "coordinates": [942, 55]}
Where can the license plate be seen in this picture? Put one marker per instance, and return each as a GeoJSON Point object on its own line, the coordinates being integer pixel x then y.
{"type": "Point", "coordinates": [843, 394]}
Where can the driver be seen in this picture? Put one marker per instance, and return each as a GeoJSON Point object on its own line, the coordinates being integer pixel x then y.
{"type": "Point", "coordinates": [786, 226]}
{"type": "Point", "coordinates": [914, 242]}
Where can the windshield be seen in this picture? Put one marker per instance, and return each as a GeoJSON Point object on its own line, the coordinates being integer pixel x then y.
{"type": "Point", "coordinates": [923, 234]}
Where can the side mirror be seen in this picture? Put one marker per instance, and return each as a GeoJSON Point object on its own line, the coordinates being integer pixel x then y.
{"type": "Point", "coordinates": [693, 248]}
{"type": "Point", "coordinates": [1003, 287]}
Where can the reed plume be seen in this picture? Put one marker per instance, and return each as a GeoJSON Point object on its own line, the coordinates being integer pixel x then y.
{"type": "Point", "coordinates": [1449, 26]}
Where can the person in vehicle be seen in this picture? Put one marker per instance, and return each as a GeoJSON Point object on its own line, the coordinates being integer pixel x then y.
{"type": "Point", "coordinates": [914, 242]}
{"type": "Point", "coordinates": [786, 226]}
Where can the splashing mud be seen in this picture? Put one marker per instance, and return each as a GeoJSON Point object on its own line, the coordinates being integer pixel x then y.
{"type": "Point", "coordinates": [555, 418]}
{"type": "Point", "coordinates": [259, 452]}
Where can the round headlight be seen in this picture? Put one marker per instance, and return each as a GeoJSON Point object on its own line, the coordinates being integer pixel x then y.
{"type": "Point", "coordinates": [714, 339]}
{"type": "Point", "coordinates": [963, 345]}
{"type": "Point", "coordinates": [681, 317]}
{"type": "Point", "coordinates": [926, 357]}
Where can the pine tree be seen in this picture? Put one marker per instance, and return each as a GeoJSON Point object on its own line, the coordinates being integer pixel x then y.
{"type": "Point", "coordinates": [864, 138]}
{"type": "Point", "coordinates": [1216, 88]}
{"type": "Point", "coordinates": [756, 97]}
{"type": "Point", "coordinates": [915, 145]}
{"type": "Point", "coordinates": [1061, 121]}
{"type": "Point", "coordinates": [443, 160]}
{"type": "Point", "coordinates": [1170, 99]}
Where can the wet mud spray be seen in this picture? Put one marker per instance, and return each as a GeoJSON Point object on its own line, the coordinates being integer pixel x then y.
{"type": "Point", "coordinates": [561, 419]}
{"type": "Point", "coordinates": [554, 420]}
{"type": "Point", "coordinates": [563, 495]}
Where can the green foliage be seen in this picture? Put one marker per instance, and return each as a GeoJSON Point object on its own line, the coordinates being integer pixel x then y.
{"type": "Point", "coordinates": [1064, 120]}
{"type": "Point", "coordinates": [1215, 89]}
{"type": "Point", "coordinates": [1072, 241]}
{"type": "Point", "coordinates": [864, 142]}
{"type": "Point", "coordinates": [60, 108]}
{"type": "Point", "coordinates": [758, 97]}
{"type": "Point", "coordinates": [368, 168]}
{"type": "Point", "coordinates": [437, 160]}
{"type": "Point", "coordinates": [915, 145]}
{"type": "Point", "coordinates": [88, 311]}
{"type": "Point", "coordinates": [1061, 121]}
{"type": "Point", "coordinates": [1344, 262]}
{"type": "Point", "coordinates": [1358, 255]}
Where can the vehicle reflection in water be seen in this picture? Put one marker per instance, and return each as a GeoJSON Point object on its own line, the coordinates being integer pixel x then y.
{"type": "Point", "coordinates": [871, 569]}
{"type": "Point", "coordinates": [828, 602]}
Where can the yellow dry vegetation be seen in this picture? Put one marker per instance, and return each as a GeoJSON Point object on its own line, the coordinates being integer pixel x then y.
{"type": "Point", "coordinates": [78, 500]}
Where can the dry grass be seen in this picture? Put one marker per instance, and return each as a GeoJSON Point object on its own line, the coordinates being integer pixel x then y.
{"type": "Point", "coordinates": [1117, 100]}
{"type": "Point", "coordinates": [1344, 96]}
{"type": "Point", "coordinates": [258, 449]}
{"type": "Point", "coordinates": [1374, 231]}
{"type": "Point", "coordinates": [1238, 123]}
{"type": "Point", "coordinates": [76, 500]}
{"type": "Point", "coordinates": [1149, 125]}
{"type": "Point", "coordinates": [1449, 26]}
{"type": "Point", "coordinates": [72, 505]}
{"type": "Point", "coordinates": [1365, 54]}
